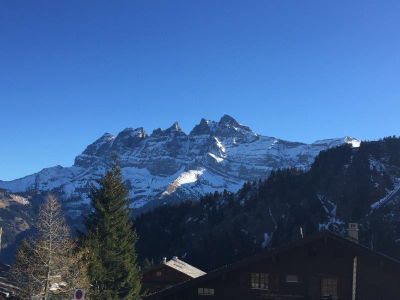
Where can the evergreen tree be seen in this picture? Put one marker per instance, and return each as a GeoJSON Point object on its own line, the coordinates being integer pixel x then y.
{"type": "Point", "coordinates": [111, 240]}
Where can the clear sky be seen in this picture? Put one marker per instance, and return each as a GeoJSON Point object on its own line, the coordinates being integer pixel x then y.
{"type": "Point", "coordinates": [71, 70]}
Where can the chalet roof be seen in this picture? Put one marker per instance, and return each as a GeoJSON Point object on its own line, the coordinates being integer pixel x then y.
{"type": "Point", "coordinates": [267, 253]}
{"type": "Point", "coordinates": [184, 267]}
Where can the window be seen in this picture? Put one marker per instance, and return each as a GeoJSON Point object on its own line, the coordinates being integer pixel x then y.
{"type": "Point", "coordinates": [259, 281]}
{"type": "Point", "coordinates": [205, 292]}
{"type": "Point", "coordinates": [329, 287]}
{"type": "Point", "coordinates": [291, 278]}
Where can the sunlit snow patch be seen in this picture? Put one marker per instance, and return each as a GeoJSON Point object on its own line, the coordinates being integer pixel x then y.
{"type": "Point", "coordinates": [217, 158]}
{"type": "Point", "coordinates": [387, 198]}
{"type": "Point", "coordinates": [220, 145]}
{"type": "Point", "coordinates": [19, 199]}
{"type": "Point", "coordinates": [185, 178]}
{"type": "Point", "coordinates": [353, 142]}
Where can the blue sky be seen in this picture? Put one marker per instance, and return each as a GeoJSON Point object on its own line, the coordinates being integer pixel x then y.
{"type": "Point", "coordinates": [299, 70]}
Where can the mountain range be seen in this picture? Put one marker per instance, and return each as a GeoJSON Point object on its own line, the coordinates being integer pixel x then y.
{"type": "Point", "coordinates": [165, 167]}
{"type": "Point", "coordinates": [170, 165]}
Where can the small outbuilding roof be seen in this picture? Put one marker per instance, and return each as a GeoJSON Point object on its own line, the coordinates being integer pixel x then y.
{"type": "Point", "coordinates": [184, 267]}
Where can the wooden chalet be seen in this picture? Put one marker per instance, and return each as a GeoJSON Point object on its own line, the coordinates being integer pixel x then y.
{"type": "Point", "coordinates": [167, 274]}
{"type": "Point", "coordinates": [323, 266]}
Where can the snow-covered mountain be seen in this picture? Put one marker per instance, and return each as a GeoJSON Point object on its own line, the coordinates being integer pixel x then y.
{"type": "Point", "coordinates": [170, 165]}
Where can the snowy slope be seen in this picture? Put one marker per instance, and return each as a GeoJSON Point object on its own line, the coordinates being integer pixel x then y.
{"type": "Point", "coordinates": [170, 164]}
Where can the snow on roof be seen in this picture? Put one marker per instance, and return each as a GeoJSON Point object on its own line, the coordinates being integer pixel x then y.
{"type": "Point", "coordinates": [184, 267]}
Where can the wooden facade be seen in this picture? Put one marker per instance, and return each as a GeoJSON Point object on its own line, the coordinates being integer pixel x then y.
{"type": "Point", "coordinates": [325, 266]}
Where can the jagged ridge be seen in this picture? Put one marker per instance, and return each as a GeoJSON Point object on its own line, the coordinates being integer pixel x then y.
{"type": "Point", "coordinates": [170, 165]}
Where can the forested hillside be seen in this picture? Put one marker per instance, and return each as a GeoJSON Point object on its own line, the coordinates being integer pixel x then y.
{"type": "Point", "coordinates": [344, 185]}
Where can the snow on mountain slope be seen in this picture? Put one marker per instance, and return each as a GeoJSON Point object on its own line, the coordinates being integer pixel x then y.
{"type": "Point", "coordinates": [172, 164]}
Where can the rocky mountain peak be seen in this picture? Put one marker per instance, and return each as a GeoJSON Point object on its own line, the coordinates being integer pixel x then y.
{"type": "Point", "coordinates": [230, 122]}
{"type": "Point", "coordinates": [130, 132]}
{"type": "Point", "coordinates": [106, 137]}
{"type": "Point", "coordinates": [157, 132]}
{"type": "Point", "coordinates": [202, 128]}
{"type": "Point", "coordinates": [226, 126]}
{"type": "Point", "coordinates": [129, 137]}
{"type": "Point", "coordinates": [100, 145]}
{"type": "Point", "coordinates": [174, 128]}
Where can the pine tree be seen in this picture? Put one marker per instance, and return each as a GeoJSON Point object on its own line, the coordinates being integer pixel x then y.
{"type": "Point", "coordinates": [111, 240]}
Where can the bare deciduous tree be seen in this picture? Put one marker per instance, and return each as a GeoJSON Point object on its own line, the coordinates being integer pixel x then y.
{"type": "Point", "coordinates": [49, 263]}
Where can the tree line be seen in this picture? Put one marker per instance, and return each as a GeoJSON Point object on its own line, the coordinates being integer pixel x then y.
{"type": "Point", "coordinates": [102, 261]}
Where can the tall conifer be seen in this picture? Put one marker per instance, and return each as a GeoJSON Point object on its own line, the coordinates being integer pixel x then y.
{"type": "Point", "coordinates": [110, 241]}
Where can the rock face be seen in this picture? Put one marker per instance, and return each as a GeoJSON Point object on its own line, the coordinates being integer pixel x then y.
{"type": "Point", "coordinates": [170, 165]}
